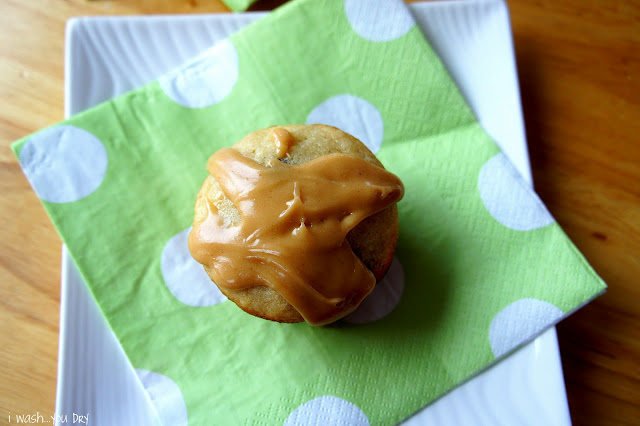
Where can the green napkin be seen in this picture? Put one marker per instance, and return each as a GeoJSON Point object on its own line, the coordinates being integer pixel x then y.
{"type": "Point", "coordinates": [481, 266]}
{"type": "Point", "coordinates": [239, 5]}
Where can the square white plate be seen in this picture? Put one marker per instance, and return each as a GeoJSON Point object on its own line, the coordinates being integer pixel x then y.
{"type": "Point", "coordinates": [106, 57]}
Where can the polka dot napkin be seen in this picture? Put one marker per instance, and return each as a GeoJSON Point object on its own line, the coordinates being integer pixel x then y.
{"type": "Point", "coordinates": [481, 265]}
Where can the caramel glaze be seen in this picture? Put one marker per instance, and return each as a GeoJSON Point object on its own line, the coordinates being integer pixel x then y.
{"type": "Point", "coordinates": [282, 140]}
{"type": "Point", "coordinates": [292, 236]}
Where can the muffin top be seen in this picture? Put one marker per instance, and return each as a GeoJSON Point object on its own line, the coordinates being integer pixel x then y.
{"type": "Point", "coordinates": [275, 214]}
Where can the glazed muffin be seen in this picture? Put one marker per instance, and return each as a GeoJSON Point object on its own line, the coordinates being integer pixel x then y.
{"type": "Point", "coordinates": [289, 149]}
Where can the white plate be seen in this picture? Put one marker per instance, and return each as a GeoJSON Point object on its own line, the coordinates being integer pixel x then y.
{"type": "Point", "coordinates": [106, 57]}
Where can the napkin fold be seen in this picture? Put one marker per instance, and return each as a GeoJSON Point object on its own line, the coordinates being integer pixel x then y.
{"type": "Point", "coordinates": [481, 265]}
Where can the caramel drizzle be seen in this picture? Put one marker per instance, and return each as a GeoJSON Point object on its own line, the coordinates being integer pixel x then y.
{"type": "Point", "coordinates": [292, 236]}
{"type": "Point", "coordinates": [282, 140]}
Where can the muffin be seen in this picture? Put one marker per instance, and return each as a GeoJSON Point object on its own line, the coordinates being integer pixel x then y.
{"type": "Point", "coordinates": [296, 223]}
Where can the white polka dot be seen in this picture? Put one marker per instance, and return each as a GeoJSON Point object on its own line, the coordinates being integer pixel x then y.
{"type": "Point", "coordinates": [327, 410]}
{"type": "Point", "coordinates": [64, 163]}
{"type": "Point", "coordinates": [383, 299]}
{"type": "Point", "coordinates": [381, 20]}
{"type": "Point", "coordinates": [353, 115]}
{"type": "Point", "coordinates": [185, 277]}
{"type": "Point", "coordinates": [165, 396]}
{"type": "Point", "coordinates": [206, 80]}
{"type": "Point", "coordinates": [519, 322]}
{"type": "Point", "coordinates": [508, 198]}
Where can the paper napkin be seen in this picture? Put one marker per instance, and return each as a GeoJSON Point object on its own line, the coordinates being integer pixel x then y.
{"type": "Point", "coordinates": [238, 5]}
{"type": "Point", "coordinates": [481, 265]}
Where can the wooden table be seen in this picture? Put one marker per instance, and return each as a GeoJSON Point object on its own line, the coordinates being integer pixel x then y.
{"type": "Point", "coordinates": [579, 66]}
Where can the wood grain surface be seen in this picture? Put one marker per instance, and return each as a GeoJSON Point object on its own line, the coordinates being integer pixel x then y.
{"type": "Point", "coordinates": [579, 68]}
